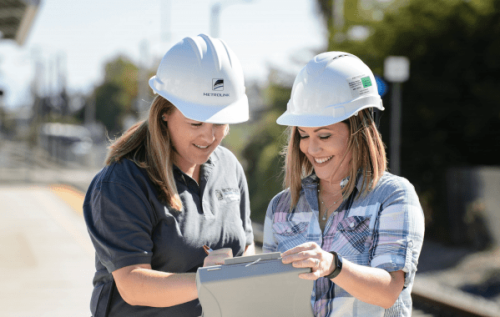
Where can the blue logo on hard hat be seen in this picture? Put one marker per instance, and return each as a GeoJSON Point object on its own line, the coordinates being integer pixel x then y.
{"type": "Point", "coordinates": [217, 84]}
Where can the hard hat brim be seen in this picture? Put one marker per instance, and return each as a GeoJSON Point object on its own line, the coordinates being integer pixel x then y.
{"type": "Point", "coordinates": [321, 120]}
{"type": "Point", "coordinates": [305, 120]}
{"type": "Point", "coordinates": [236, 112]}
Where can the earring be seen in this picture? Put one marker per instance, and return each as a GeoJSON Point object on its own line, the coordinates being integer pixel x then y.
{"type": "Point", "coordinates": [164, 117]}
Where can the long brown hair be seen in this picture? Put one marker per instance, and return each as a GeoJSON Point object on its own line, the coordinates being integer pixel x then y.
{"type": "Point", "coordinates": [368, 156]}
{"type": "Point", "coordinates": [147, 144]}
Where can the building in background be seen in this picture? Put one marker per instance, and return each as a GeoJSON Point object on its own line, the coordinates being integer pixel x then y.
{"type": "Point", "coordinates": [16, 18]}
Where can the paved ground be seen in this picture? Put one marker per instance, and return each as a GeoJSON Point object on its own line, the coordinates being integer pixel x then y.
{"type": "Point", "coordinates": [46, 258]}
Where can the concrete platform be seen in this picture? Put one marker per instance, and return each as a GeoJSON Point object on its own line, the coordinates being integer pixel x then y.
{"type": "Point", "coordinates": [46, 257]}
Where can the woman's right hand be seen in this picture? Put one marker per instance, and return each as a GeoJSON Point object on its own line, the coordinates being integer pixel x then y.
{"type": "Point", "coordinates": [217, 257]}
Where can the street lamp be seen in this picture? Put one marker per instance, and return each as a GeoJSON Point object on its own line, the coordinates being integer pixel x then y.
{"type": "Point", "coordinates": [215, 14]}
{"type": "Point", "coordinates": [396, 71]}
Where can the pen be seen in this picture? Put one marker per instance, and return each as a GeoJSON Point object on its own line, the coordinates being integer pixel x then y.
{"type": "Point", "coordinates": [207, 249]}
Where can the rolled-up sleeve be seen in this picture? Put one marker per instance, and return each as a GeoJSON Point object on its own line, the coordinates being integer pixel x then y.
{"type": "Point", "coordinates": [120, 225]}
{"type": "Point", "coordinates": [398, 231]}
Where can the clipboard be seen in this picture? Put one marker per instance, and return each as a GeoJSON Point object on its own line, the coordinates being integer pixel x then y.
{"type": "Point", "coordinates": [258, 285]}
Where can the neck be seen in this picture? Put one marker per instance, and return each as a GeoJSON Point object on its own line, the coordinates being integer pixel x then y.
{"type": "Point", "coordinates": [330, 187]}
{"type": "Point", "coordinates": [191, 170]}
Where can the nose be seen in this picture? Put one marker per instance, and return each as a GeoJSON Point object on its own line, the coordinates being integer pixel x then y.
{"type": "Point", "coordinates": [313, 147]}
{"type": "Point", "coordinates": [208, 133]}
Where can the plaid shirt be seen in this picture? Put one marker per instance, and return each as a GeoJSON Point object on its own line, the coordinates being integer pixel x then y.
{"type": "Point", "coordinates": [384, 229]}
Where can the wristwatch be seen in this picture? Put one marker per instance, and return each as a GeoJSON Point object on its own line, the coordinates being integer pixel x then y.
{"type": "Point", "coordinates": [337, 263]}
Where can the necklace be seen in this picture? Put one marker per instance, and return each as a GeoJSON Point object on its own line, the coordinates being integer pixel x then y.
{"type": "Point", "coordinates": [323, 204]}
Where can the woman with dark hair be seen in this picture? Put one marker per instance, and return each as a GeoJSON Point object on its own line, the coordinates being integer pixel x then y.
{"type": "Point", "coordinates": [359, 228]}
{"type": "Point", "coordinates": [169, 189]}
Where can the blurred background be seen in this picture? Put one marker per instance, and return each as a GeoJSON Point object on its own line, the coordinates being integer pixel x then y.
{"type": "Point", "coordinates": [73, 76]}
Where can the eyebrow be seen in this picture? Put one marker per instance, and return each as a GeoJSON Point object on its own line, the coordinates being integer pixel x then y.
{"type": "Point", "coordinates": [314, 130]}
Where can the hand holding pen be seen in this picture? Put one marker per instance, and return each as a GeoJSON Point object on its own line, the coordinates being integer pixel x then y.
{"type": "Point", "coordinates": [216, 257]}
{"type": "Point", "coordinates": [207, 249]}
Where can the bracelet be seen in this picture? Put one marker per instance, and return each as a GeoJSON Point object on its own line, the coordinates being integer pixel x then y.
{"type": "Point", "coordinates": [337, 258]}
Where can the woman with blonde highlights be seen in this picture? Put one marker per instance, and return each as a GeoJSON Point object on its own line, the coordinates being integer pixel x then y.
{"type": "Point", "coordinates": [169, 191]}
{"type": "Point", "coordinates": [359, 228]}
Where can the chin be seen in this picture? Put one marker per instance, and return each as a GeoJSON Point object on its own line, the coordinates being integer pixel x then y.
{"type": "Point", "coordinates": [322, 175]}
{"type": "Point", "coordinates": [325, 173]}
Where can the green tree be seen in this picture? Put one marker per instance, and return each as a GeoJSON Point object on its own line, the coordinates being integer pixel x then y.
{"type": "Point", "coordinates": [262, 162]}
{"type": "Point", "coordinates": [114, 98]}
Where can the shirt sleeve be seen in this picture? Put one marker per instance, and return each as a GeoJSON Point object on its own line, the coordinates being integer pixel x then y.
{"type": "Point", "coordinates": [399, 231]}
{"type": "Point", "coordinates": [120, 225]}
{"type": "Point", "coordinates": [245, 207]}
{"type": "Point", "coordinates": [270, 244]}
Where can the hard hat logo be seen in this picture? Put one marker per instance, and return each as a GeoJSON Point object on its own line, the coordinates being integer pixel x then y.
{"type": "Point", "coordinates": [183, 78]}
{"type": "Point", "coordinates": [213, 94]}
{"type": "Point", "coordinates": [218, 84]}
{"type": "Point", "coordinates": [366, 81]}
{"type": "Point", "coordinates": [360, 85]}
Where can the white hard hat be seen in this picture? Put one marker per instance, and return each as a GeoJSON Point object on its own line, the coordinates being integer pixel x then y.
{"type": "Point", "coordinates": [332, 87]}
{"type": "Point", "coordinates": [202, 77]}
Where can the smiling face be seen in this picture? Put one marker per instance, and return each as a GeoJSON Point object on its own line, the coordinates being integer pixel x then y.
{"type": "Point", "coordinates": [325, 147]}
{"type": "Point", "coordinates": [192, 140]}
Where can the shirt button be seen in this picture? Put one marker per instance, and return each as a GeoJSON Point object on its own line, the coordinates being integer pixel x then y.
{"type": "Point", "coordinates": [351, 225]}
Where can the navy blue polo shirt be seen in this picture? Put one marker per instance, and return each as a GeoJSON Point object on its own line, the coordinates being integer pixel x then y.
{"type": "Point", "coordinates": [129, 225]}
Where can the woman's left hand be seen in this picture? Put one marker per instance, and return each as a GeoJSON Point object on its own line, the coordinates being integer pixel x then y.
{"type": "Point", "coordinates": [309, 255]}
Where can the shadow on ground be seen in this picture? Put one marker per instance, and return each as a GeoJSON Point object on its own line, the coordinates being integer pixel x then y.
{"type": "Point", "coordinates": [489, 288]}
{"type": "Point", "coordinates": [436, 257]}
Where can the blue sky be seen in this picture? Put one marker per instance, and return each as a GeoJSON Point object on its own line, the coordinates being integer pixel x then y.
{"type": "Point", "coordinates": [85, 34]}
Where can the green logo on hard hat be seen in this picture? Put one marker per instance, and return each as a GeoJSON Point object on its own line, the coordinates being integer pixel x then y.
{"type": "Point", "coordinates": [366, 81]}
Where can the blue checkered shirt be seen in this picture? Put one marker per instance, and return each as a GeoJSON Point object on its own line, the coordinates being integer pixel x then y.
{"type": "Point", "coordinates": [383, 229]}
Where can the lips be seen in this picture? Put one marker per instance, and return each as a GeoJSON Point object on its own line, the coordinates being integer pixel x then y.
{"type": "Point", "coordinates": [323, 160]}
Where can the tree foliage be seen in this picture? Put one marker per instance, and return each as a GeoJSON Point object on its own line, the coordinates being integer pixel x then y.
{"type": "Point", "coordinates": [114, 98]}
{"type": "Point", "coordinates": [263, 165]}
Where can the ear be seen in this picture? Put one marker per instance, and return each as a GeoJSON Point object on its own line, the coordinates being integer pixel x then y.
{"type": "Point", "coordinates": [227, 131]}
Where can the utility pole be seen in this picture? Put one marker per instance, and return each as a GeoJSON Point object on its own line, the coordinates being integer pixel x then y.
{"type": "Point", "coordinates": [214, 19]}
{"type": "Point", "coordinates": [142, 81]}
{"type": "Point", "coordinates": [397, 71]}
{"type": "Point", "coordinates": [338, 20]}
{"type": "Point", "coordinates": [215, 12]}
{"type": "Point", "coordinates": [35, 92]}
{"type": "Point", "coordinates": [61, 83]}
{"type": "Point", "coordinates": [90, 110]}
{"type": "Point", "coordinates": [166, 23]}
{"type": "Point", "coordinates": [2, 114]}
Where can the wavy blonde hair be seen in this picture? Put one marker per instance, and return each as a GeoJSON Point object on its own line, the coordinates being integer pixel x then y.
{"type": "Point", "coordinates": [148, 145]}
{"type": "Point", "coordinates": [368, 157]}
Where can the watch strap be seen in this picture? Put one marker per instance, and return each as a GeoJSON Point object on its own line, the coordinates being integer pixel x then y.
{"type": "Point", "coordinates": [337, 263]}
